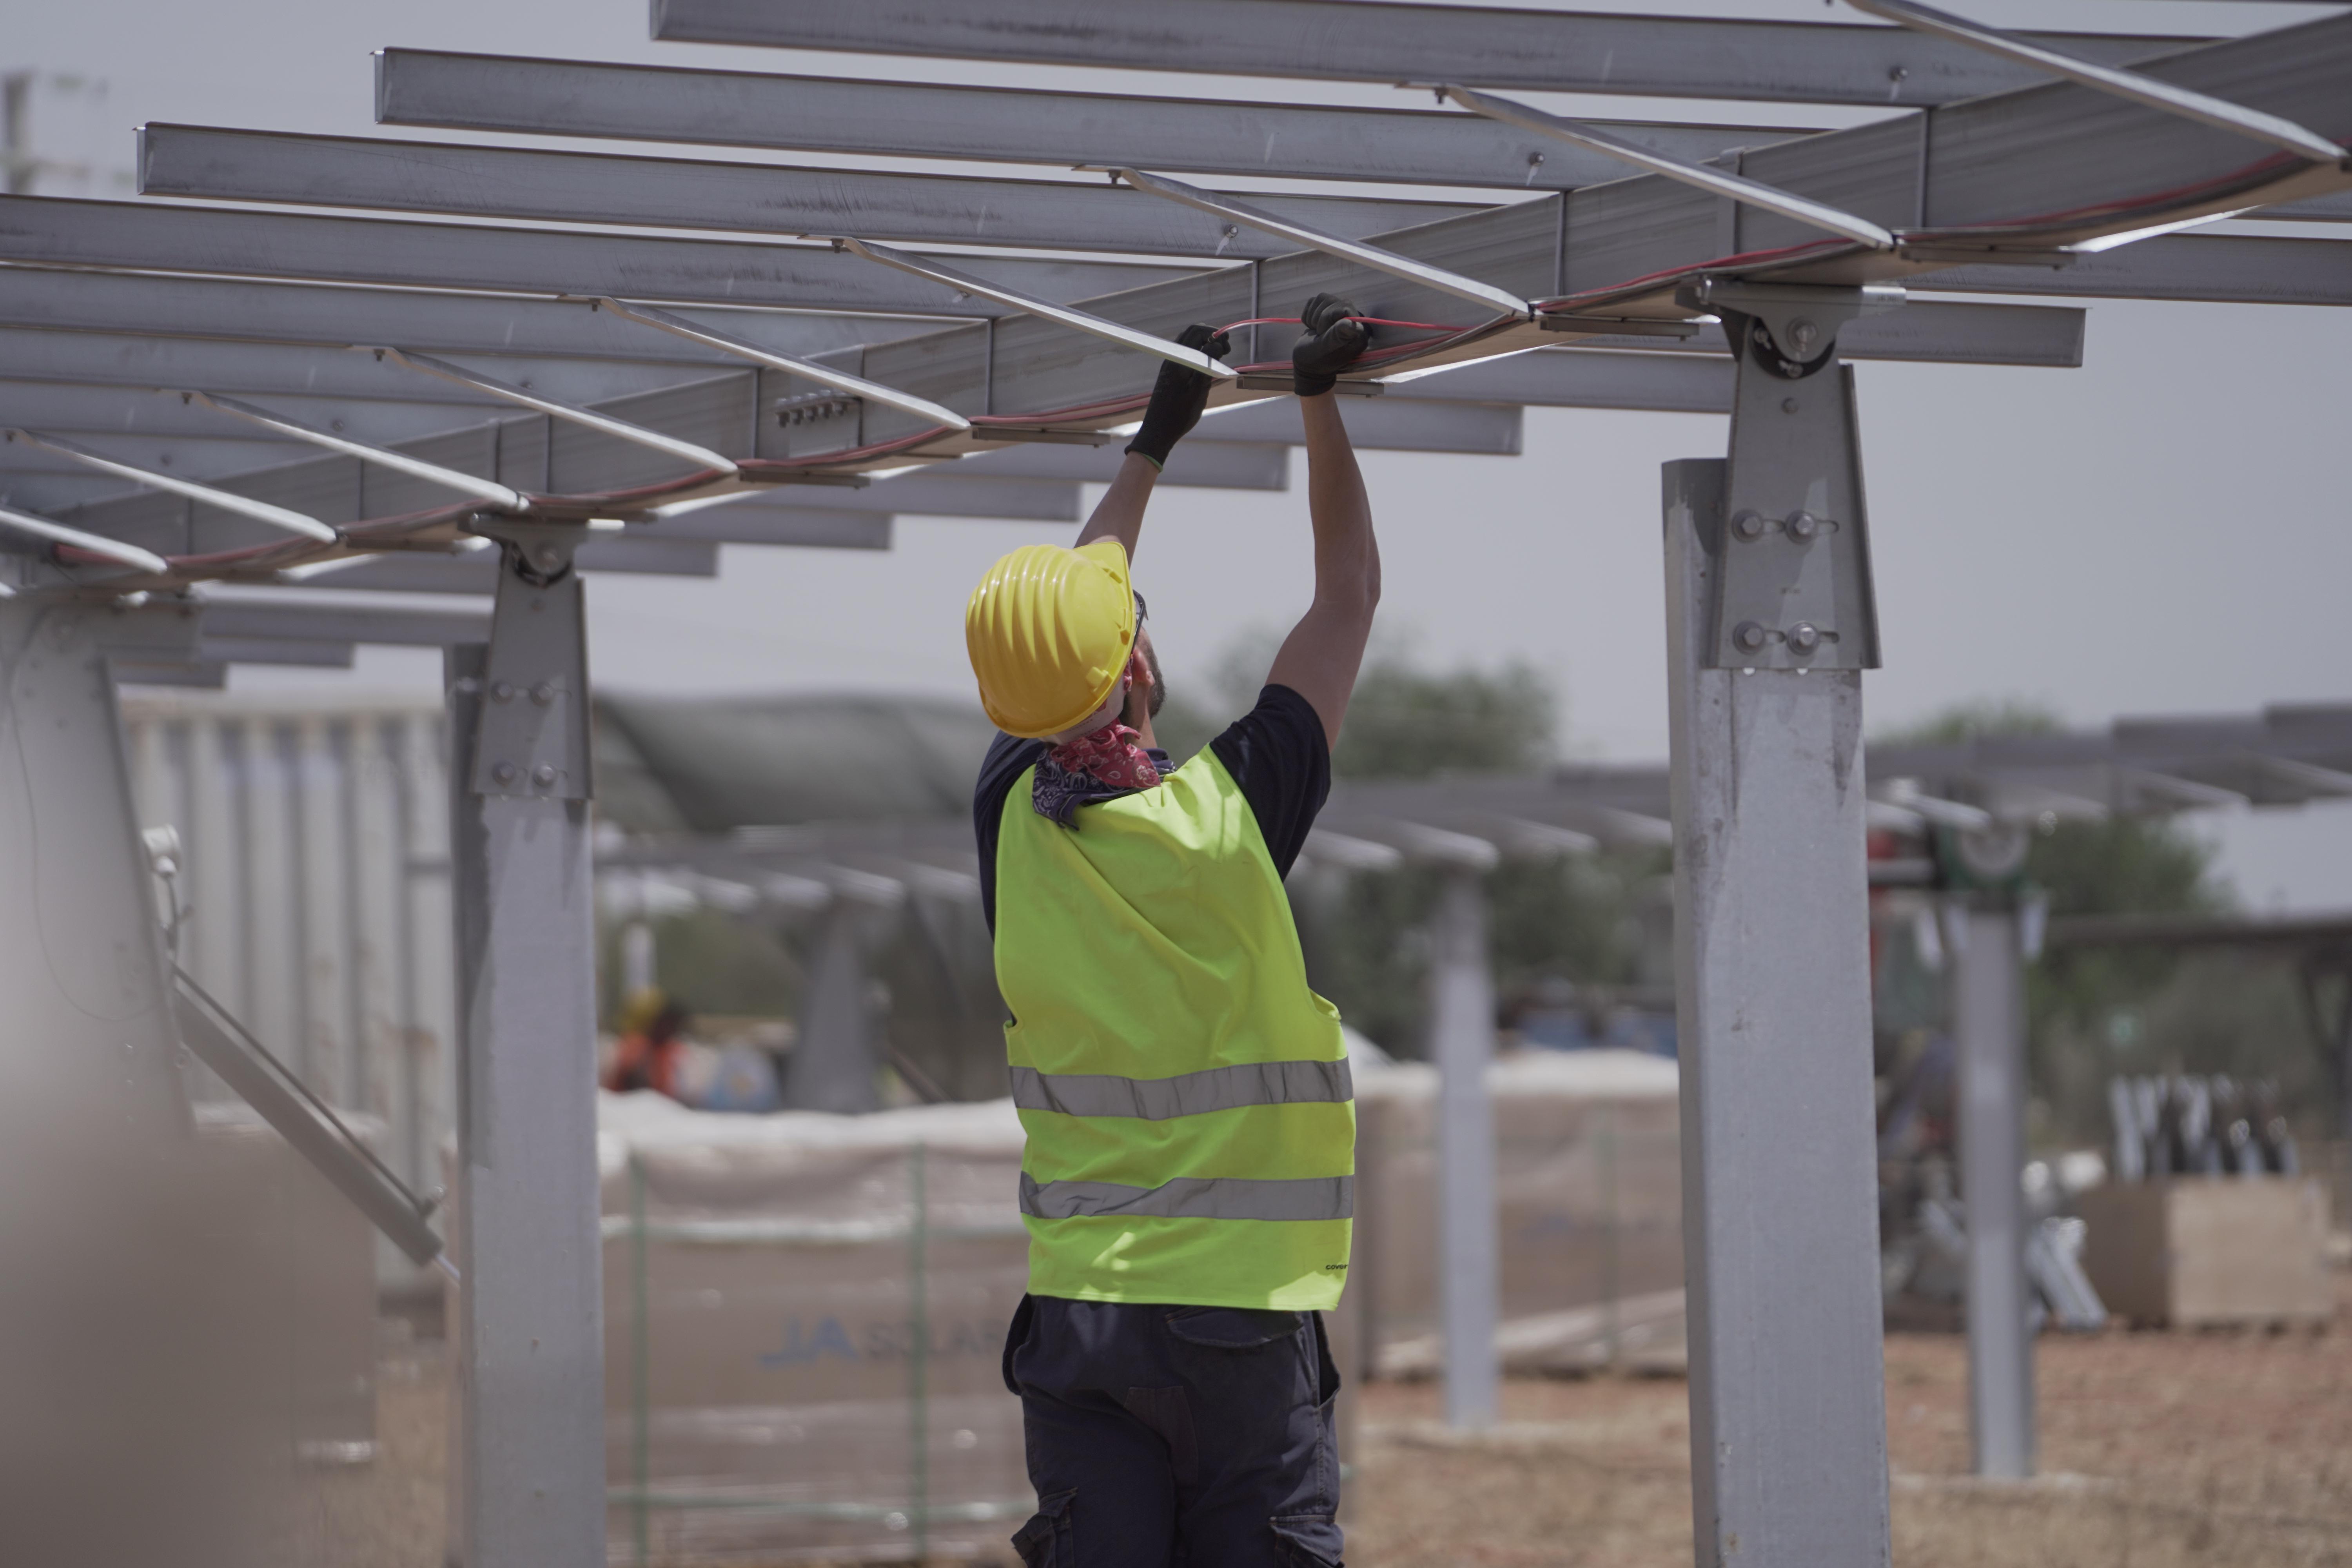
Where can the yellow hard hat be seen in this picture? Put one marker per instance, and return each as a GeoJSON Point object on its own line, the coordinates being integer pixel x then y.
{"type": "Point", "coordinates": [1049, 630]}
{"type": "Point", "coordinates": [640, 1009]}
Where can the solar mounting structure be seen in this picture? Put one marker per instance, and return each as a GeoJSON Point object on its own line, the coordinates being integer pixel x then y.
{"type": "Point", "coordinates": [494, 407]}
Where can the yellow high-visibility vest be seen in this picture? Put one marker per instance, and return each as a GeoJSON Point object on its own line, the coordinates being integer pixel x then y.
{"type": "Point", "coordinates": [1191, 1125]}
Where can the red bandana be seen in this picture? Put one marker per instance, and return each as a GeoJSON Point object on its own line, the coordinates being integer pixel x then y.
{"type": "Point", "coordinates": [1110, 756]}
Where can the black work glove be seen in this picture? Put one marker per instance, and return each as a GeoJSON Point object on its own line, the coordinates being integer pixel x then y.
{"type": "Point", "coordinates": [1179, 396]}
{"type": "Point", "coordinates": [1331, 343]}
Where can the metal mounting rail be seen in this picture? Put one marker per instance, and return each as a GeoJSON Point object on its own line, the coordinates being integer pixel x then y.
{"type": "Point", "coordinates": [839, 380]}
{"type": "Point", "coordinates": [490, 490]}
{"type": "Point", "coordinates": [588, 418]}
{"type": "Point", "coordinates": [1369, 256]}
{"type": "Point", "coordinates": [956, 278]}
{"type": "Point", "coordinates": [262, 512]}
{"type": "Point", "coordinates": [113, 550]}
{"type": "Point", "coordinates": [2146, 90]}
{"type": "Point", "coordinates": [1788, 203]}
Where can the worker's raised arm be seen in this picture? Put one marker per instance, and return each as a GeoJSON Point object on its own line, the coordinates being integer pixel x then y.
{"type": "Point", "coordinates": [1319, 658]}
{"type": "Point", "coordinates": [1178, 400]}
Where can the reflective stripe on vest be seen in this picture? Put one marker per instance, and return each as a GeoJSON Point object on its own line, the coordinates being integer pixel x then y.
{"type": "Point", "coordinates": [1190, 1115]}
{"type": "Point", "coordinates": [1194, 1197]}
{"type": "Point", "coordinates": [1189, 1094]}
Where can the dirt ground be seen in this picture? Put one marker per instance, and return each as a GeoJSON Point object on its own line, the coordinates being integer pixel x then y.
{"type": "Point", "coordinates": [2158, 1449]}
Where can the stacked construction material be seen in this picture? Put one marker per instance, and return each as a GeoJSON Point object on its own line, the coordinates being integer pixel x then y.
{"type": "Point", "coordinates": [2209, 1222]}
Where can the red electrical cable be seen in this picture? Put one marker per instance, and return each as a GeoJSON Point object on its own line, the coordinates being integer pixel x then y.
{"type": "Point", "coordinates": [1368, 321]}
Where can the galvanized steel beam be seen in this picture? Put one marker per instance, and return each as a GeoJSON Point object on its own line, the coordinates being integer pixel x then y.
{"type": "Point", "coordinates": [2224, 269]}
{"type": "Point", "coordinates": [2159, 95]}
{"type": "Point", "coordinates": [1404, 426]}
{"type": "Point", "coordinates": [263, 312]}
{"type": "Point", "coordinates": [1045, 309]}
{"type": "Point", "coordinates": [679, 193]}
{"type": "Point", "coordinates": [283, 518]}
{"type": "Point", "coordinates": [498, 495]}
{"type": "Point", "coordinates": [1689, 171]}
{"type": "Point", "coordinates": [1236, 211]}
{"type": "Point", "coordinates": [43, 231]}
{"type": "Point", "coordinates": [407, 572]}
{"type": "Point", "coordinates": [735, 346]}
{"type": "Point", "coordinates": [699, 456]}
{"type": "Point", "coordinates": [1988, 980]}
{"type": "Point", "coordinates": [1511, 49]}
{"type": "Point", "coordinates": [529, 1472]}
{"type": "Point", "coordinates": [1772, 984]}
{"type": "Point", "coordinates": [149, 364]}
{"type": "Point", "coordinates": [450, 91]}
{"type": "Point", "coordinates": [1988, 178]}
{"type": "Point", "coordinates": [53, 534]}
{"type": "Point", "coordinates": [280, 615]}
{"type": "Point", "coordinates": [767, 520]}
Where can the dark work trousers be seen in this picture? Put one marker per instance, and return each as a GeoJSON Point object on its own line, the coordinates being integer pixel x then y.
{"type": "Point", "coordinates": [1175, 1437]}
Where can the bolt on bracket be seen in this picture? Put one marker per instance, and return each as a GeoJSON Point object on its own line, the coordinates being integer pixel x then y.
{"type": "Point", "coordinates": [1793, 589]}
{"type": "Point", "coordinates": [531, 738]}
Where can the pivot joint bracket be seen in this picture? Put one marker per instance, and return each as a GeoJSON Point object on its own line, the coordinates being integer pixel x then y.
{"type": "Point", "coordinates": [1792, 586]}
{"type": "Point", "coordinates": [531, 737]}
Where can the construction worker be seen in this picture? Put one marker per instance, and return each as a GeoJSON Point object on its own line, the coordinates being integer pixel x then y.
{"type": "Point", "coordinates": [1188, 1182]}
{"type": "Point", "coordinates": [647, 1054]}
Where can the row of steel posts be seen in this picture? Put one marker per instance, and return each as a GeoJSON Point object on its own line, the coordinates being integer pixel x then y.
{"type": "Point", "coordinates": [1778, 1139]}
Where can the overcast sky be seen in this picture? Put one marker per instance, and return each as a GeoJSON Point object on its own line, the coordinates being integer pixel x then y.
{"type": "Point", "coordinates": [2162, 530]}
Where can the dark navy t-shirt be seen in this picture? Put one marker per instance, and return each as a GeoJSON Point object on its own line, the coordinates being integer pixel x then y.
{"type": "Point", "coordinates": [1277, 753]}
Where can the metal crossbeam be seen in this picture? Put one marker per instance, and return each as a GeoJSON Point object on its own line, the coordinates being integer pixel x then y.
{"type": "Point", "coordinates": [265, 311]}
{"type": "Point", "coordinates": [1348, 40]}
{"type": "Point", "coordinates": [766, 519]}
{"type": "Point", "coordinates": [46, 231]}
{"type": "Point", "coordinates": [679, 193]}
{"type": "Point", "coordinates": [113, 550]}
{"type": "Point", "coordinates": [278, 517]}
{"type": "Point", "coordinates": [2219, 268]}
{"type": "Point", "coordinates": [1080, 320]}
{"type": "Point", "coordinates": [40, 231]}
{"type": "Point", "coordinates": [1379, 260]}
{"type": "Point", "coordinates": [946, 491]}
{"type": "Point", "coordinates": [143, 362]}
{"type": "Point", "coordinates": [1200, 461]}
{"type": "Point", "coordinates": [478, 573]}
{"type": "Point", "coordinates": [1715, 182]}
{"type": "Point", "coordinates": [1988, 178]}
{"type": "Point", "coordinates": [1484, 427]}
{"type": "Point", "coordinates": [273, 616]}
{"type": "Point", "coordinates": [571, 412]}
{"type": "Point", "coordinates": [440, 91]}
{"type": "Point", "coordinates": [2144, 90]}
{"type": "Point", "coordinates": [498, 495]}
{"type": "Point", "coordinates": [839, 380]}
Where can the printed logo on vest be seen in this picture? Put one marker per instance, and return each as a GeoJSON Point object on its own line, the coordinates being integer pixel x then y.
{"type": "Point", "coordinates": [1329, 1268]}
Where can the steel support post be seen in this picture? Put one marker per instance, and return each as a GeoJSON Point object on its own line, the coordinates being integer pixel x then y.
{"type": "Point", "coordinates": [1462, 1042]}
{"type": "Point", "coordinates": [1988, 1024]}
{"type": "Point", "coordinates": [835, 1064]}
{"type": "Point", "coordinates": [1769, 625]}
{"type": "Point", "coordinates": [529, 1483]}
{"type": "Point", "coordinates": [81, 955]}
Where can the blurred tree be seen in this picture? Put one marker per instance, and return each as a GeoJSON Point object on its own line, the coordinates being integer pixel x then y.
{"type": "Point", "coordinates": [1408, 721]}
{"type": "Point", "coordinates": [1564, 918]}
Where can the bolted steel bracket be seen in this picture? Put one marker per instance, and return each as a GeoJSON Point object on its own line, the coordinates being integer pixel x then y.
{"type": "Point", "coordinates": [1792, 590]}
{"type": "Point", "coordinates": [531, 738]}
